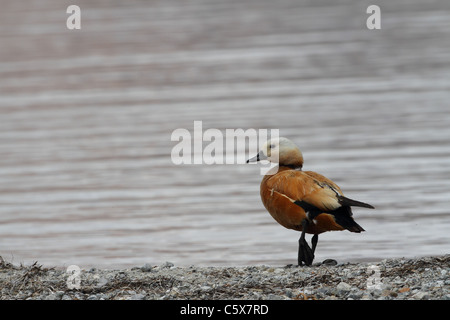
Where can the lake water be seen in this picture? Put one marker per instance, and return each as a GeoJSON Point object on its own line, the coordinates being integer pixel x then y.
{"type": "Point", "coordinates": [86, 118]}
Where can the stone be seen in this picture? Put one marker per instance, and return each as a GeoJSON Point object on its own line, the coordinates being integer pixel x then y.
{"type": "Point", "coordinates": [138, 296]}
{"type": "Point", "coordinates": [343, 286]}
{"type": "Point", "coordinates": [147, 268]}
{"type": "Point", "coordinates": [329, 262]}
{"type": "Point", "coordinates": [421, 295]}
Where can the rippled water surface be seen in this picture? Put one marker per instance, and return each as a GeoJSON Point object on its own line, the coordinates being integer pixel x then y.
{"type": "Point", "coordinates": [86, 118]}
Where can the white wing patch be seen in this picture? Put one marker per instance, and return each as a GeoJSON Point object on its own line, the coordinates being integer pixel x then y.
{"type": "Point", "coordinates": [281, 194]}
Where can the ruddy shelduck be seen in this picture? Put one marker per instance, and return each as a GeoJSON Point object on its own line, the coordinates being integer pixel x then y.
{"type": "Point", "coordinates": [303, 200]}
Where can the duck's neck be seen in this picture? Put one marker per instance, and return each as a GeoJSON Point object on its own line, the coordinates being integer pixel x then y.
{"type": "Point", "coordinates": [291, 167]}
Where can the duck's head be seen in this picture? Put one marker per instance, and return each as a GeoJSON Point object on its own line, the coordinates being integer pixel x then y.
{"type": "Point", "coordinates": [282, 151]}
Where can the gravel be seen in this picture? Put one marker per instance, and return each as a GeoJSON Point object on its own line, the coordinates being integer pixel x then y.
{"type": "Point", "coordinates": [425, 278]}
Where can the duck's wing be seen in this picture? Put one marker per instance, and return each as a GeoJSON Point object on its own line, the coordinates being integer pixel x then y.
{"type": "Point", "coordinates": [311, 191]}
{"type": "Point", "coordinates": [327, 193]}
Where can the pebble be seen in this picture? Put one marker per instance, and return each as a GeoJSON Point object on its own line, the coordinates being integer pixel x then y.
{"type": "Point", "coordinates": [398, 279]}
{"type": "Point", "coordinates": [101, 282]}
{"type": "Point", "coordinates": [343, 286]}
{"type": "Point", "coordinates": [138, 296]}
{"type": "Point", "coordinates": [421, 295]}
{"type": "Point", "coordinates": [147, 268]}
{"type": "Point", "coordinates": [167, 264]}
{"type": "Point", "coordinates": [329, 262]}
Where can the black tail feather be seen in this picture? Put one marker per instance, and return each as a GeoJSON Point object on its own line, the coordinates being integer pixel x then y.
{"type": "Point", "coordinates": [343, 217]}
{"type": "Point", "coordinates": [344, 201]}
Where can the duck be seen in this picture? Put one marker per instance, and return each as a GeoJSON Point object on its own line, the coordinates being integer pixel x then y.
{"type": "Point", "coordinates": [304, 201]}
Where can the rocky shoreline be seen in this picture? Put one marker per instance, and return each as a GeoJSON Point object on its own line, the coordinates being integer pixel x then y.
{"type": "Point", "coordinates": [426, 278]}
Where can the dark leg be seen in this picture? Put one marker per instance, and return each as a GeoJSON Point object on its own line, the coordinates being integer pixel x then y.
{"type": "Point", "coordinates": [314, 241]}
{"type": "Point", "coordinates": [305, 254]}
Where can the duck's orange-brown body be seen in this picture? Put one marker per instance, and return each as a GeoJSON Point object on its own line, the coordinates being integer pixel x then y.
{"type": "Point", "coordinates": [281, 192]}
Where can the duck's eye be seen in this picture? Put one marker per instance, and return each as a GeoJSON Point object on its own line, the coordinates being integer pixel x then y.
{"type": "Point", "coordinates": [272, 146]}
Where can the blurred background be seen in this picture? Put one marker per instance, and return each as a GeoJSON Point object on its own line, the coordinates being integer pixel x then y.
{"type": "Point", "coordinates": [86, 118]}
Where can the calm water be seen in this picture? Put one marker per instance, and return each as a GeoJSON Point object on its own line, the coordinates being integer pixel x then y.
{"type": "Point", "coordinates": [86, 118]}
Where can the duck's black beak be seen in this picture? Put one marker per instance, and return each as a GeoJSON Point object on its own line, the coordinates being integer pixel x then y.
{"type": "Point", "coordinates": [258, 157]}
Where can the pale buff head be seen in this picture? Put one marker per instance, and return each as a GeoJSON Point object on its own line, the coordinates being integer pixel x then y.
{"type": "Point", "coordinates": [282, 151]}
